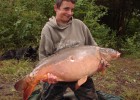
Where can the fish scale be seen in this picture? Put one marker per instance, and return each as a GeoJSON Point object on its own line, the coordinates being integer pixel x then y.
{"type": "Point", "coordinates": [70, 64]}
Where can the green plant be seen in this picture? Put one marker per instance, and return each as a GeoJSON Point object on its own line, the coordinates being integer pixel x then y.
{"type": "Point", "coordinates": [22, 21]}
{"type": "Point", "coordinates": [90, 13]}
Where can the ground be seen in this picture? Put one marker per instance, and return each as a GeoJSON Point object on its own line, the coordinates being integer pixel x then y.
{"type": "Point", "coordinates": [122, 78]}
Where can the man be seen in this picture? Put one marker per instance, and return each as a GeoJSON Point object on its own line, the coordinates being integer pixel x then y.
{"type": "Point", "coordinates": [63, 31]}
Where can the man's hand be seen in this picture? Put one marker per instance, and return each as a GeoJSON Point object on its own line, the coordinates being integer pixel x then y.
{"type": "Point", "coordinates": [51, 79]}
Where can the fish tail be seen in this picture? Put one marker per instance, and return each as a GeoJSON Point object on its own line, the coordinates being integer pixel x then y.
{"type": "Point", "coordinates": [26, 85]}
{"type": "Point", "coordinates": [21, 84]}
{"type": "Point", "coordinates": [28, 91]}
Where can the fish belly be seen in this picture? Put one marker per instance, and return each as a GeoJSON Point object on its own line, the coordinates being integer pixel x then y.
{"type": "Point", "coordinates": [73, 70]}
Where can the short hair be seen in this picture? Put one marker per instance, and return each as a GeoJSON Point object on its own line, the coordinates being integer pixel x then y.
{"type": "Point", "coordinates": [59, 2]}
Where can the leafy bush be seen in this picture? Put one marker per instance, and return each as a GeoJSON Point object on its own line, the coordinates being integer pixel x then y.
{"type": "Point", "coordinates": [22, 20]}
{"type": "Point", "coordinates": [132, 39]}
{"type": "Point", "coordinates": [90, 13]}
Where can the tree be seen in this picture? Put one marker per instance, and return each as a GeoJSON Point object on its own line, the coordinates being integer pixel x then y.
{"type": "Point", "coordinates": [120, 13]}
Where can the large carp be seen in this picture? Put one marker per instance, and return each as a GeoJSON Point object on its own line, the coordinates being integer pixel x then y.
{"type": "Point", "coordinates": [71, 64]}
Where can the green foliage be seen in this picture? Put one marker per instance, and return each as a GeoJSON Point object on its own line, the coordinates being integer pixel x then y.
{"type": "Point", "coordinates": [22, 20]}
{"type": "Point", "coordinates": [132, 46]}
{"type": "Point", "coordinates": [132, 39]}
{"type": "Point", "coordinates": [90, 13]}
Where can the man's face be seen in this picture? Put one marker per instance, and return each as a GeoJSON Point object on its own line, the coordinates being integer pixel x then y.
{"type": "Point", "coordinates": [64, 12]}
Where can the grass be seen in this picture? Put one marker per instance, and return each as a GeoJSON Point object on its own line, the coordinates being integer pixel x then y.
{"type": "Point", "coordinates": [122, 78]}
{"type": "Point", "coordinates": [14, 69]}
{"type": "Point", "coordinates": [10, 72]}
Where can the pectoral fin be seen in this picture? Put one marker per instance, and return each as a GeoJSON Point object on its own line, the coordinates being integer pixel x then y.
{"type": "Point", "coordinates": [102, 66]}
{"type": "Point", "coordinates": [80, 82]}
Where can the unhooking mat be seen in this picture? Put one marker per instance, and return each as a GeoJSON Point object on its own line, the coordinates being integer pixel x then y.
{"type": "Point", "coordinates": [36, 95]}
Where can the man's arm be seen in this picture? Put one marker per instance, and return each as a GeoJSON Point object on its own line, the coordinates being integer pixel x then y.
{"type": "Point", "coordinates": [89, 38]}
{"type": "Point", "coordinates": [46, 44]}
{"type": "Point", "coordinates": [45, 49]}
